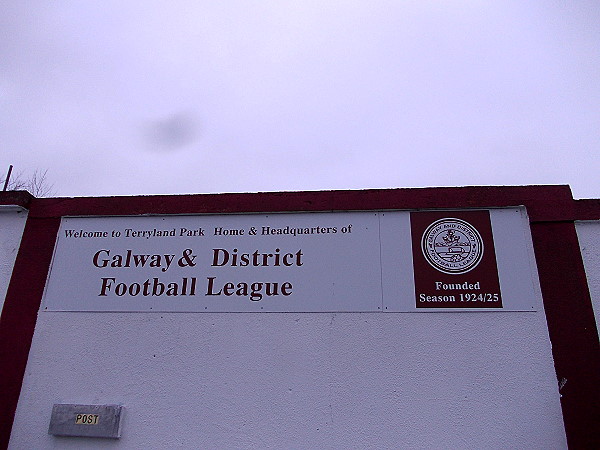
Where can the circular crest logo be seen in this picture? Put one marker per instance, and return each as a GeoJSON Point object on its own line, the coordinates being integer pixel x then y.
{"type": "Point", "coordinates": [452, 246]}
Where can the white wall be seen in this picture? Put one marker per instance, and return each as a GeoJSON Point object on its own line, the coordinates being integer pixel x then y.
{"type": "Point", "coordinates": [588, 233]}
{"type": "Point", "coordinates": [297, 380]}
{"type": "Point", "coordinates": [12, 223]}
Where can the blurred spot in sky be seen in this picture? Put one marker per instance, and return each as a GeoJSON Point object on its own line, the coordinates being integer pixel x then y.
{"type": "Point", "coordinates": [171, 133]}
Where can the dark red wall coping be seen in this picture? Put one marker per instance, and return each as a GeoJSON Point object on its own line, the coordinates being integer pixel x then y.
{"type": "Point", "coordinates": [17, 198]}
{"type": "Point", "coordinates": [546, 203]}
{"type": "Point", "coordinates": [588, 209]}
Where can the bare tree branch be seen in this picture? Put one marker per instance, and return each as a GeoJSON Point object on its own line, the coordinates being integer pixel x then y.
{"type": "Point", "coordinates": [37, 184]}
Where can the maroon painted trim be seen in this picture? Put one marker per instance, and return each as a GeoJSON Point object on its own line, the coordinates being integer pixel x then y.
{"type": "Point", "coordinates": [588, 209]}
{"type": "Point", "coordinates": [572, 329]}
{"type": "Point", "coordinates": [19, 315]}
{"type": "Point", "coordinates": [17, 198]}
{"type": "Point", "coordinates": [543, 202]}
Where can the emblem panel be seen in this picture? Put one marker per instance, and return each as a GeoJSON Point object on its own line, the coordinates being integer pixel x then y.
{"type": "Point", "coordinates": [452, 246]}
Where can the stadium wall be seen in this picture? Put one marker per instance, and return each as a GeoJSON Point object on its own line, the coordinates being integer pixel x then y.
{"type": "Point", "coordinates": [459, 379]}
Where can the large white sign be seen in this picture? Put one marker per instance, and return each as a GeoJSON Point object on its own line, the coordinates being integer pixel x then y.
{"type": "Point", "coordinates": [293, 262]}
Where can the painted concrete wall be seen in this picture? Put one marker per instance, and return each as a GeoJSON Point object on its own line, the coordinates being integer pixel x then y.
{"type": "Point", "coordinates": [294, 380]}
{"type": "Point", "coordinates": [298, 380]}
{"type": "Point", "coordinates": [12, 224]}
{"type": "Point", "coordinates": [588, 233]}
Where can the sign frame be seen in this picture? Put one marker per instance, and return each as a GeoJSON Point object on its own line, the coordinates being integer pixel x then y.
{"type": "Point", "coordinates": [384, 235]}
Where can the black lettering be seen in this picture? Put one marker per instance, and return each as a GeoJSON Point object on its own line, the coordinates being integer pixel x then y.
{"type": "Point", "coordinates": [216, 259]}
{"type": "Point", "coordinates": [105, 286]}
{"type": "Point", "coordinates": [286, 288]}
{"type": "Point", "coordinates": [255, 294]}
{"type": "Point", "coordinates": [209, 288]}
{"type": "Point", "coordinates": [104, 262]}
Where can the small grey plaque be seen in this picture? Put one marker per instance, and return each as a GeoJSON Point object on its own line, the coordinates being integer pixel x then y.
{"type": "Point", "coordinates": [102, 421]}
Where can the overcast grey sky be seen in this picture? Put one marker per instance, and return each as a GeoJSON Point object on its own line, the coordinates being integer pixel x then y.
{"type": "Point", "coordinates": [119, 98]}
